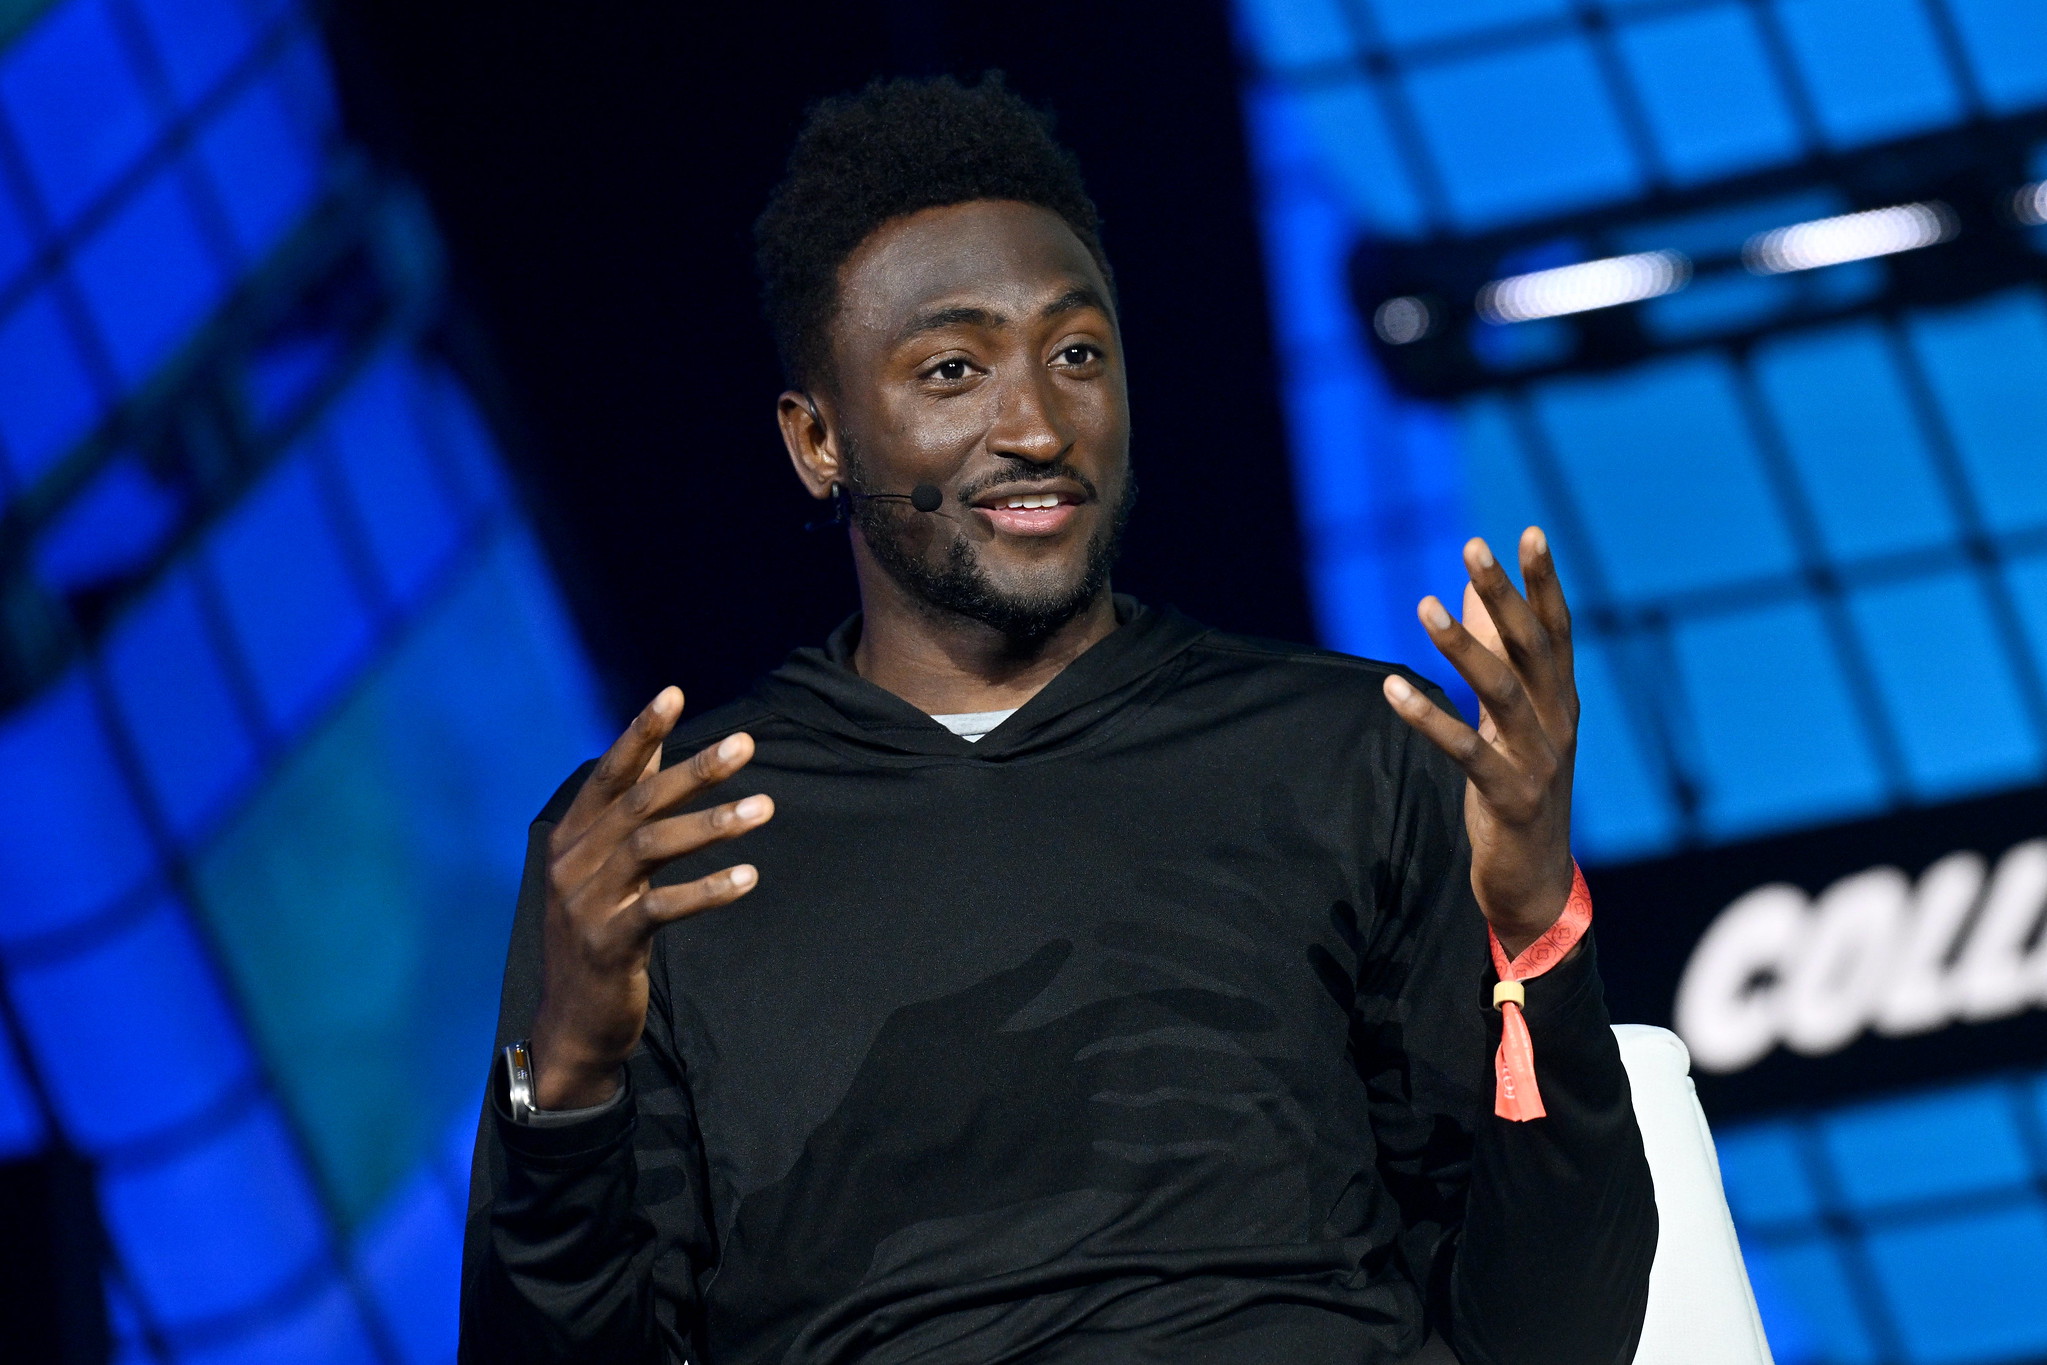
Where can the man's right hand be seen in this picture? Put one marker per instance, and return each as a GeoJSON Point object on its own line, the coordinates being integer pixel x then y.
{"type": "Point", "coordinates": [601, 912]}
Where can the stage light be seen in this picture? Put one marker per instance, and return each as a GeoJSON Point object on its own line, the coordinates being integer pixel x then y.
{"type": "Point", "coordinates": [2029, 204]}
{"type": "Point", "coordinates": [1849, 237]}
{"type": "Point", "coordinates": [1401, 321]}
{"type": "Point", "coordinates": [1582, 288]}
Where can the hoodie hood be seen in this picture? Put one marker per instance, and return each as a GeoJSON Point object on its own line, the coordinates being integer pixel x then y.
{"type": "Point", "coordinates": [817, 688]}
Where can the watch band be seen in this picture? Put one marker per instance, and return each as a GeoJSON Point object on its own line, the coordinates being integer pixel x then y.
{"type": "Point", "coordinates": [519, 1080]}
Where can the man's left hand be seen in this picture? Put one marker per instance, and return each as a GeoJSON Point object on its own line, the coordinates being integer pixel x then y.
{"type": "Point", "coordinates": [1516, 654]}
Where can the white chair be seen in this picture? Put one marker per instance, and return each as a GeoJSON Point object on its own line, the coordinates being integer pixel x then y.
{"type": "Point", "coordinates": [1701, 1309]}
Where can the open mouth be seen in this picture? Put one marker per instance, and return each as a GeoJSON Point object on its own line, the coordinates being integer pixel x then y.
{"type": "Point", "coordinates": [1038, 513]}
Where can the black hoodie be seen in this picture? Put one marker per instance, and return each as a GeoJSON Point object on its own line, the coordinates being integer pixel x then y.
{"type": "Point", "coordinates": [1153, 1027]}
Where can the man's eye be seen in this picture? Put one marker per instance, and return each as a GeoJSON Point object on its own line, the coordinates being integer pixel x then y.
{"type": "Point", "coordinates": [950, 370]}
{"type": "Point", "coordinates": [1078, 355]}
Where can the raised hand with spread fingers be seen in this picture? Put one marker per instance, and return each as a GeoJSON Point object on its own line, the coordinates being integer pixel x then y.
{"type": "Point", "coordinates": [602, 910]}
{"type": "Point", "coordinates": [1515, 652]}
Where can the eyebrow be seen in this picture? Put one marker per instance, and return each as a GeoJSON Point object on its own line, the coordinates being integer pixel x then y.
{"type": "Point", "coordinates": [1078, 297]}
{"type": "Point", "coordinates": [940, 319]}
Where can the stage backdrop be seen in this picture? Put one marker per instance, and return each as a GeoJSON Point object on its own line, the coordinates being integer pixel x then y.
{"type": "Point", "coordinates": [1742, 300]}
{"type": "Point", "coordinates": [281, 680]}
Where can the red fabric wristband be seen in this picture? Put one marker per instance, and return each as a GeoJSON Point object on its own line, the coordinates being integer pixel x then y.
{"type": "Point", "coordinates": [1515, 1095]}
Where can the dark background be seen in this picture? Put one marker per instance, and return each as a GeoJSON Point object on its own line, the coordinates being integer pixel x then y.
{"type": "Point", "coordinates": [596, 171]}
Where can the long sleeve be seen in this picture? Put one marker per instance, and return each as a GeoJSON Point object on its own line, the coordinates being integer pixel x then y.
{"type": "Point", "coordinates": [1532, 1241]}
{"type": "Point", "coordinates": [584, 1239]}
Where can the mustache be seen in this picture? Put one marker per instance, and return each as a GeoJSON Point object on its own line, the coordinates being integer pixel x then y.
{"type": "Point", "coordinates": [1023, 472]}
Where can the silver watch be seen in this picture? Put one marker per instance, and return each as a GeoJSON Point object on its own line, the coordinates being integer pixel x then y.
{"type": "Point", "coordinates": [519, 1080]}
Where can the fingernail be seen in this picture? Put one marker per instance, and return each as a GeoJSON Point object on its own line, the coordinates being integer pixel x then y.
{"type": "Point", "coordinates": [667, 699]}
{"type": "Point", "coordinates": [1438, 619]}
{"type": "Point", "coordinates": [1541, 543]}
{"type": "Point", "coordinates": [1397, 686]}
{"type": "Point", "coordinates": [744, 875]}
{"type": "Point", "coordinates": [731, 748]}
{"type": "Point", "coordinates": [1482, 553]}
{"type": "Point", "coordinates": [752, 808]}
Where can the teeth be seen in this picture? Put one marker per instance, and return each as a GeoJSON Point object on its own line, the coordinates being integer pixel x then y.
{"type": "Point", "coordinates": [1033, 500]}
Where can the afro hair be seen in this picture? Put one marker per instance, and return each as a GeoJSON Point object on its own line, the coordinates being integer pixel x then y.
{"type": "Point", "coordinates": [895, 148]}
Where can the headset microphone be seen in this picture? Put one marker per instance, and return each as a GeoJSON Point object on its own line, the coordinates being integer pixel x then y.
{"type": "Point", "coordinates": [925, 497]}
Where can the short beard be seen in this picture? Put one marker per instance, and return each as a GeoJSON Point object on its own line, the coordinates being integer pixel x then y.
{"type": "Point", "coordinates": [962, 588]}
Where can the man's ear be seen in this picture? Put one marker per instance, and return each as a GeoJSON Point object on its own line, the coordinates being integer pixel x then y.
{"type": "Point", "coordinates": [813, 443]}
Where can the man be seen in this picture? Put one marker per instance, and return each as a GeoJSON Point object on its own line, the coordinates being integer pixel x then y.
{"type": "Point", "coordinates": [1106, 989]}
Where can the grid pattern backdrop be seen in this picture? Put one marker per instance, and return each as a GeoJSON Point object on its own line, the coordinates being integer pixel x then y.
{"type": "Point", "coordinates": [1903, 1230]}
{"type": "Point", "coordinates": [282, 679]}
{"type": "Point", "coordinates": [1809, 571]}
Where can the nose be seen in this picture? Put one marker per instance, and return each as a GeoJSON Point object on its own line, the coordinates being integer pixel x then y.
{"type": "Point", "coordinates": [1030, 425]}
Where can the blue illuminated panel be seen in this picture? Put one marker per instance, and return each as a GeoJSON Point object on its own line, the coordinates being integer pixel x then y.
{"type": "Point", "coordinates": [1984, 361]}
{"type": "Point", "coordinates": [1778, 738]}
{"type": "Point", "coordinates": [149, 276]}
{"type": "Point", "coordinates": [1909, 1229]}
{"type": "Point", "coordinates": [210, 1228]}
{"type": "Point", "coordinates": [2004, 39]}
{"type": "Point", "coordinates": [1666, 473]}
{"type": "Point", "coordinates": [259, 162]}
{"type": "Point", "coordinates": [1873, 68]}
{"type": "Point", "coordinates": [295, 611]}
{"type": "Point", "coordinates": [325, 1328]}
{"type": "Point", "coordinates": [96, 1059]}
{"type": "Point", "coordinates": [260, 828]}
{"type": "Point", "coordinates": [63, 777]}
{"type": "Point", "coordinates": [1708, 94]}
{"type": "Point", "coordinates": [398, 488]}
{"type": "Point", "coordinates": [41, 421]}
{"type": "Point", "coordinates": [1872, 480]}
{"type": "Point", "coordinates": [1523, 130]}
{"type": "Point", "coordinates": [176, 694]}
{"type": "Point", "coordinates": [411, 1257]}
{"type": "Point", "coordinates": [1941, 666]}
{"type": "Point", "coordinates": [77, 105]}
